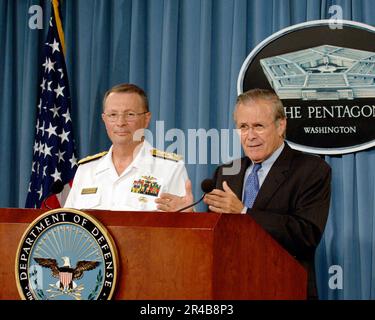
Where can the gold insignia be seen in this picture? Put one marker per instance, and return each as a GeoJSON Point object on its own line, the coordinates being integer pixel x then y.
{"type": "Point", "coordinates": [89, 190]}
{"type": "Point", "coordinates": [149, 178]}
{"type": "Point", "coordinates": [93, 157]}
{"type": "Point", "coordinates": [166, 155]}
{"type": "Point", "coordinates": [142, 199]}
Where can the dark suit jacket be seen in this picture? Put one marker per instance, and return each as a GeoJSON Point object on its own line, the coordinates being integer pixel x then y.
{"type": "Point", "coordinates": [292, 204]}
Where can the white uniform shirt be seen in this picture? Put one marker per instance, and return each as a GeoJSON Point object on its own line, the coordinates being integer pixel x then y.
{"type": "Point", "coordinates": [97, 185]}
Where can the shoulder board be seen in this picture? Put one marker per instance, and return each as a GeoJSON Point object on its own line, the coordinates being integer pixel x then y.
{"type": "Point", "coordinates": [93, 157]}
{"type": "Point", "coordinates": [166, 155]}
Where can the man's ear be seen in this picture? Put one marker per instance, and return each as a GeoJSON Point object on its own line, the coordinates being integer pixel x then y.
{"type": "Point", "coordinates": [281, 128]}
{"type": "Point", "coordinates": [148, 119]}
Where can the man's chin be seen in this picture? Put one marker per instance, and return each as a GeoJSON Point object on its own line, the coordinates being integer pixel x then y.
{"type": "Point", "coordinates": [119, 140]}
{"type": "Point", "coordinates": [255, 156]}
{"type": "Point", "coordinates": [126, 141]}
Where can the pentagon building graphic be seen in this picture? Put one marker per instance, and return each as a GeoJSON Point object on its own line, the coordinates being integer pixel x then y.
{"type": "Point", "coordinates": [322, 73]}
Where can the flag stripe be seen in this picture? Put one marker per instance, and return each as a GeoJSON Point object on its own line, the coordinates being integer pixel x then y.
{"type": "Point", "coordinates": [66, 278]}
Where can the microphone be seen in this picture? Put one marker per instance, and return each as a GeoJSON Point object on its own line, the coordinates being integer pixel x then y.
{"type": "Point", "coordinates": [56, 188]}
{"type": "Point", "coordinates": [207, 186]}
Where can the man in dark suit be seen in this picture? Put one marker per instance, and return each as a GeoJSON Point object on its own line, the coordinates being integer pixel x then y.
{"type": "Point", "coordinates": [287, 192]}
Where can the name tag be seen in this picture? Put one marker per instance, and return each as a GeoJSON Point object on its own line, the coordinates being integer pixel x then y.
{"type": "Point", "coordinates": [89, 190]}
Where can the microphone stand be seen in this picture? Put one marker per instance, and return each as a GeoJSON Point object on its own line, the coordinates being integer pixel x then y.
{"type": "Point", "coordinates": [192, 205]}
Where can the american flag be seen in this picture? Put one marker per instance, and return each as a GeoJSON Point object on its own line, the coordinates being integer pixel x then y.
{"type": "Point", "coordinates": [54, 153]}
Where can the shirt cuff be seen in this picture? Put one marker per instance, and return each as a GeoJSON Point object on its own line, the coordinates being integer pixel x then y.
{"type": "Point", "coordinates": [244, 210]}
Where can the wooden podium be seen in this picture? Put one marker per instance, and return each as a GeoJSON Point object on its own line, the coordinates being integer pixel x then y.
{"type": "Point", "coordinates": [178, 256]}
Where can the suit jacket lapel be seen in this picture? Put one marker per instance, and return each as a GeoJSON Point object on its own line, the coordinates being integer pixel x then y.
{"type": "Point", "coordinates": [275, 177]}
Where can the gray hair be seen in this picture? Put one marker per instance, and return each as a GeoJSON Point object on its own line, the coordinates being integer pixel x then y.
{"type": "Point", "coordinates": [127, 88]}
{"type": "Point", "coordinates": [254, 95]}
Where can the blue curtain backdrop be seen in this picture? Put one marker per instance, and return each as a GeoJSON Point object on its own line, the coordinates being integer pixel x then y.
{"type": "Point", "coordinates": [187, 55]}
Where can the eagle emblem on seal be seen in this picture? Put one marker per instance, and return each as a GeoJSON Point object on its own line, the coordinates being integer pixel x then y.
{"type": "Point", "coordinates": [66, 274]}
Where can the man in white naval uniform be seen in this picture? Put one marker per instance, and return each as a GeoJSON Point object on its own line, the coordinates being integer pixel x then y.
{"type": "Point", "coordinates": [131, 175]}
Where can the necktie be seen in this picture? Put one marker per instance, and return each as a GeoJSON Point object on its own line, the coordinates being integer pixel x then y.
{"type": "Point", "coordinates": [252, 186]}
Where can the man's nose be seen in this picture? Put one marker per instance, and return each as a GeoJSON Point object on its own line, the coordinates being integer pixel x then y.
{"type": "Point", "coordinates": [251, 134]}
{"type": "Point", "coordinates": [122, 120]}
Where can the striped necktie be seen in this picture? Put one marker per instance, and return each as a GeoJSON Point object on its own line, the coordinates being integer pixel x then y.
{"type": "Point", "coordinates": [252, 186]}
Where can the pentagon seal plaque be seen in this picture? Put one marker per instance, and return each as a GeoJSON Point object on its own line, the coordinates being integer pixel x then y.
{"type": "Point", "coordinates": [325, 78]}
{"type": "Point", "coordinates": [66, 254]}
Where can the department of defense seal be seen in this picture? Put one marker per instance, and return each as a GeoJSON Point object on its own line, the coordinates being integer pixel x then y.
{"type": "Point", "coordinates": [66, 254]}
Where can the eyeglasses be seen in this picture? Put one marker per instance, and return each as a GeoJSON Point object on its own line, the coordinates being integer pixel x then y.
{"type": "Point", "coordinates": [258, 128]}
{"type": "Point", "coordinates": [130, 115]}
